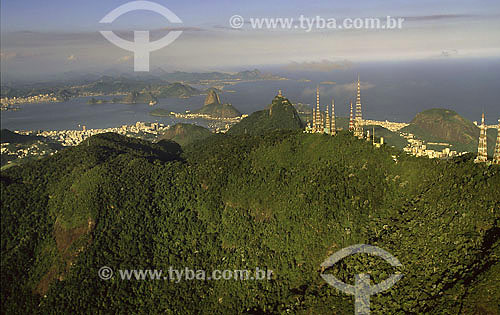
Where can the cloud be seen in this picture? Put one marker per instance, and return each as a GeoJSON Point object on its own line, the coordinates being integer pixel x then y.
{"type": "Point", "coordinates": [437, 17]}
{"type": "Point", "coordinates": [339, 89]}
{"type": "Point", "coordinates": [351, 87]}
{"type": "Point", "coordinates": [324, 65]}
{"type": "Point", "coordinates": [448, 53]}
{"type": "Point", "coordinates": [226, 28]}
{"type": "Point", "coordinates": [185, 29]}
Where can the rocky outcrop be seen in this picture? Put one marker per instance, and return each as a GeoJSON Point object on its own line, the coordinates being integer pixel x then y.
{"type": "Point", "coordinates": [212, 98]}
{"type": "Point", "coordinates": [214, 108]}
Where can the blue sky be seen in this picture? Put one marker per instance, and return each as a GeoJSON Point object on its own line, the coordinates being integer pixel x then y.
{"type": "Point", "coordinates": [55, 35]}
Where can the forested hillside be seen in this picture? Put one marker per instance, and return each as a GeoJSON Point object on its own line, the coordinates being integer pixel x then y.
{"type": "Point", "coordinates": [444, 125]}
{"type": "Point", "coordinates": [280, 115]}
{"type": "Point", "coordinates": [185, 134]}
{"type": "Point", "coordinates": [280, 200]}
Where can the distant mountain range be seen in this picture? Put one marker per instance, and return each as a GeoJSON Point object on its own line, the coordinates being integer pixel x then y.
{"type": "Point", "coordinates": [137, 92]}
{"type": "Point", "coordinates": [209, 76]}
{"type": "Point", "coordinates": [159, 88]}
{"type": "Point", "coordinates": [112, 82]}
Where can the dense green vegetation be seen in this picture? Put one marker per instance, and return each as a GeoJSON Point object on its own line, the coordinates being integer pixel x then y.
{"type": "Point", "coordinates": [280, 200]}
{"type": "Point", "coordinates": [185, 134]}
{"type": "Point", "coordinates": [281, 115]}
{"type": "Point", "coordinates": [7, 136]}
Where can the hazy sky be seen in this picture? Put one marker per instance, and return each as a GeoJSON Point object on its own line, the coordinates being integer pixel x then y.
{"type": "Point", "coordinates": [47, 37]}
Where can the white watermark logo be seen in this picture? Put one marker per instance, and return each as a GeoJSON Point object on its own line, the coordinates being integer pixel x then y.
{"type": "Point", "coordinates": [362, 290]}
{"type": "Point", "coordinates": [237, 21]}
{"type": "Point", "coordinates": [141, 46]}
{"type": "Point", "coordinates": [105, 273]}
{"type": "Point", "coordinates": [308, 24]}
{"type": "Point", "coordinates": [187, 274]}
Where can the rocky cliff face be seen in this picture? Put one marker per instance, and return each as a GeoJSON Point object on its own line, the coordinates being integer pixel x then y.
{"type": "Point", "coordinates": [212, 98]}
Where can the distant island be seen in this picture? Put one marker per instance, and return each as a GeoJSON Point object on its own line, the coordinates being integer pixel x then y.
{"type": "Point", "coordinates": [131, 98]}
{"type": "Point", "coordinates": [150, 95]}
{"type": "Point", "coordinates": [160, 112]}
{"type": "Point", "coordinates": [94, 100]}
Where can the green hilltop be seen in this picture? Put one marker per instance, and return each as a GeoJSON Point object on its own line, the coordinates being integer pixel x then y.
{"type": "Point", "coordinates": [7, 136]}
{"type": "Point", "coordinates": [444, 125]}
{"type": "Point", "coordinates": [185, 134]}
{"type": "Point", "coordinates": [280, 115]}
{"type": "Point", "coordinates": [175, 90]}
{"type": "Point", "coordinates": [283, 201]}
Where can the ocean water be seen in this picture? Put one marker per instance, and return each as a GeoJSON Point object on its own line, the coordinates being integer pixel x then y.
{"type": "Point", "coordinates": [394, 91]}
{"type": "Point", "coordinates": [77, 113]}
{"type": "Point", "coordinates": [397, 91]}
